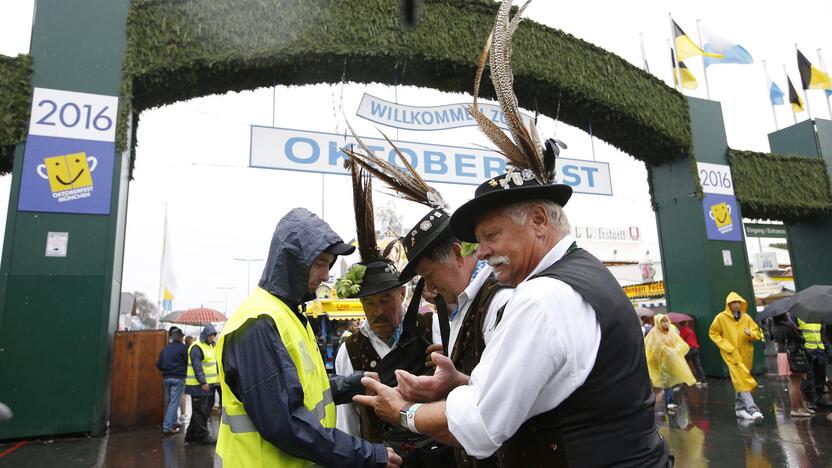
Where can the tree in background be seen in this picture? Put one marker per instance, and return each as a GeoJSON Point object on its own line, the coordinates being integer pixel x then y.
{"type": "Point", "coordinates": [146, 311]}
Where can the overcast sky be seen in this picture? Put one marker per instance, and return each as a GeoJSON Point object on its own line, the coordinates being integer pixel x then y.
{"type": "Point", "coordinates": [193, 156]}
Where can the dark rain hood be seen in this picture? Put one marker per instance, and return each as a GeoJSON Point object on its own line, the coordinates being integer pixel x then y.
{"type": "Point", "coordinates": [208, 330]}
{"type": "Point", "coordinates": [298, 239]}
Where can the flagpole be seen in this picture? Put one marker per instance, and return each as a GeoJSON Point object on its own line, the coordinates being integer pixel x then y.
{"type": "Point", "coordinates": [644, 56]}
{"type": "Point", "coordinates": [773, 112]}
{"type": "Point", "coordinates": [704, 66]}
{"type": "Point", "coordinates": [162, 262]}
{"type": "Point", "coordinates": [805, 92]}
{"type": "Point", "coordinates": [794, 115]}
{"type": "Point", "coordinates": [823, 67]}
{"type": "Point", "coordinates": [676, 72]}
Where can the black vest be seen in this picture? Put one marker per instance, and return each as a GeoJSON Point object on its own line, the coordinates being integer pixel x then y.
{"type": "Point", "coordinates": [610, 419]}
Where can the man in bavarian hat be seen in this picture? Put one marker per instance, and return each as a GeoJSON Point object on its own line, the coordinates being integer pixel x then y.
{"type": "Point", "coordinates": [581, 395]}
{"type": "Point", "coordinates": [389, 339]}
{"type": "Point", "coordinates": [449, 268]}
{"type": "Point", "coordinates": [278, 404]}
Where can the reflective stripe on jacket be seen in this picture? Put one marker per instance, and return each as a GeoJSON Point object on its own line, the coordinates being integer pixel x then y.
{"type": "Point", "coordinates": [209, 365]}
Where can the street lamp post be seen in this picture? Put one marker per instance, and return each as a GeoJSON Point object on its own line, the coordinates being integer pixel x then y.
{"type": "Point", "coordinates": [226, 289]}
{"type": "Point", "coordinates": [248, 270]}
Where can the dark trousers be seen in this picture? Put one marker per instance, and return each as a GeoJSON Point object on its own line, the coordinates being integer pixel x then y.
{"type": "Point", "coordinates": [200, 412]}
{"type": "Point", "coordinates": [812, 384]}
{"type": "Point", "coordinates": [695, 364]}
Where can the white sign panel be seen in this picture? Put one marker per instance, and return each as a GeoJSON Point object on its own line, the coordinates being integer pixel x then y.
{"type": "Point", "coordinates": [715, 178]}
{"type": "Point", "coordinates": [726, 258]}
{"type": "Point", "coordinates": [444, 117]}
{"type": "Point", "coordinates": [607, 233]}
{"type": "Point", "coordinates": [56, 244]}
{"type": "Point", "coordinates": [67, 114]}
{"type": "Point", "coordinates": [299, 150]}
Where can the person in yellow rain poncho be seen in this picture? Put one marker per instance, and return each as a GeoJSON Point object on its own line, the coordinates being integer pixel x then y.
{"type": "Point", "coordinates": [666, 362]}
{"type": "Point", "coordinates": [734, 333]}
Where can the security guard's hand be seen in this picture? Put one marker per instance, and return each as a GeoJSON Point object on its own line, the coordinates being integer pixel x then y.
{"type": "Point", "coordinates": [393, 459]}
{"type": "Point", "coordinates": [205, 387]}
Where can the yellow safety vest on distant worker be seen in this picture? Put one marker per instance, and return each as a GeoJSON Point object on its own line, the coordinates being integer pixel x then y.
{"type": "Point", "coordinates": [209, 365]}
{"type": "Point", "coordinates": [239, 444]}
{"type": "Point", "coordinates": [811, 333]}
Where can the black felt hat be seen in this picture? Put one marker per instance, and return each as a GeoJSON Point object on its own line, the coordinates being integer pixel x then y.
{"type": "Point", "coordinates": [381, 274]}
{"type": "Point", "coordinates": [500, 191]}
{"type": "Point", "coordinates": [422, 237]}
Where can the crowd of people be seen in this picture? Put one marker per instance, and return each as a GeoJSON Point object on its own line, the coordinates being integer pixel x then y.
{"type": "Point", "coordinates": [470, 385]}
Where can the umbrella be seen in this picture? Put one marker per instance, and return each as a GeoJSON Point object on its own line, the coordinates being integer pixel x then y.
{"type": "Point", "coordinates": [644, 312]}
{"type": "Point", "coordinates": [775, 308]}
{"type": "Point", "coordinates": [676, 317]}
{"type": "Point", "coordinates": [196, 316]}
{"type": "Point", "coordinates": [813, 304]}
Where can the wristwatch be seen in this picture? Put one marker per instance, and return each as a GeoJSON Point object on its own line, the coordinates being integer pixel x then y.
{"type": "Point", "coordinates": [407, 417]}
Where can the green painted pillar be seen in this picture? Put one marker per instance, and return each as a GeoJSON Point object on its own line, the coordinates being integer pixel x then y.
{"type": "Point", "coordinates": [58, 313]}
{"type": "Point", "coordinates": [696, 276]}
{"type": "Point", "coordinates": [809, 241]}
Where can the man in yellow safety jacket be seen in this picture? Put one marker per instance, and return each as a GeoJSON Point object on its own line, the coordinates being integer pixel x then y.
{"type": "Point", "coordinates": [278, 404]}
{"type": "Point", "coordinates": [201, 379]}
{"type": "Point", "coordinates": [816, 351]}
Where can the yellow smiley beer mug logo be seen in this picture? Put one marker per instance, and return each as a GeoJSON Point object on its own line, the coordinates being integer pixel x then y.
{"type": "Point", "coordinates": [721, 214]}
{"type": "Point", "coordinates": [69, 171]}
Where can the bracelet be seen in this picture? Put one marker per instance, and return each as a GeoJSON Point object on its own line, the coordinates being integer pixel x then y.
{"type": "Point", "coordinates": [411, 418]}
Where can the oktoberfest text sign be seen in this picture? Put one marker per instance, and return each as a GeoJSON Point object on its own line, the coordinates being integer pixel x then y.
{"type": "Point", "coordinates": [645, 290]}
{"type": "Point", "coordinates": [299, 150]}
{"type": "Point", "coordinates": [70, 150]}
{"type": "Point", "coordinates": [444, 117]}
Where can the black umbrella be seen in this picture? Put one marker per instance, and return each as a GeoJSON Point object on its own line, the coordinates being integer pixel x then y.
{"type": "Point", "coordinates": [813, 304]}
{"type": "Point", "coordinates": [774, 309]}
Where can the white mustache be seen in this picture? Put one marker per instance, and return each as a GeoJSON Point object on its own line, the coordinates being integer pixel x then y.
{"type": "Point", "coordinates": [497, 261]}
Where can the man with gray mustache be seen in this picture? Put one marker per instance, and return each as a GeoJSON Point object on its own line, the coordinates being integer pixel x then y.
{"type": "Point", "coordinates": [564, 371]}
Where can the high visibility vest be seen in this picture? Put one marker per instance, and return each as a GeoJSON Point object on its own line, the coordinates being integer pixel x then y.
{"type": "Point", "coordinates": [239, 444]}
{"type": "Point", "coordinates": [209, 365]}
{"type": "Point", "coordinates": [811, 333]}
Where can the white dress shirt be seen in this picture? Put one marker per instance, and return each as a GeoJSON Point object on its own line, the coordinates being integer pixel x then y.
{"type": "Point", "coordinates": [346, 415]}
{"type": "Point", "coordinates": [543, 350]}
{"type": "Point", "coordinates": [464, 303]}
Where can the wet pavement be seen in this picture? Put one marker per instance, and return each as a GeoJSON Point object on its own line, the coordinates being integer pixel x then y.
{"type": "Point", "coordinates": [702, 431]}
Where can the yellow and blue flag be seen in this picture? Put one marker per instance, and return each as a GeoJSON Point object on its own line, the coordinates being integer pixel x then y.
{"type": "Point", "coordinates": [167, 276]}
{"type": "Point", "coordinates": [730, 50]}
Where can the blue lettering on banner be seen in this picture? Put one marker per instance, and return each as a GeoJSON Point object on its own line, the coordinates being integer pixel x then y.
{"type": "Point", "coordinates": [494, 166]}
{"type": "Point", "coordinates": [460, 165]}
{"type": "Point", "coordinates": [300, 150]}
{"type": "Point", "coordinates": [290, 150]}
{"type": "Point", "coordinates": [589, 172]}
{"type": "Point", "coordinates": [569, 171]}
{"type": "Point", "coordinates": [435, 158]}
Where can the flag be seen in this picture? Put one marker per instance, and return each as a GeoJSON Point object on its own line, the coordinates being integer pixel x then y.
{"type": "Point", "coordinates": [812, 76]}
{"type": "Point", "coordinates": [794, 98]}
{"type": "Point", "coordinates": [167, 278]}
{"type": "Point", "coordinates": [688, 80]}
{"type": "Point", "coordinates": [685, 47]}
{"type": "Point", "coordinates": [730, 50]}
{"type": "Point", "coordinates": [775, 94]}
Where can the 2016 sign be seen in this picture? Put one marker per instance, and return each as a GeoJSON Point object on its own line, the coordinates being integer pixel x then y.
{"type": "Point", "coordinates": [69, 114]}
{"type": "Point", "coordinates": [715, 178]}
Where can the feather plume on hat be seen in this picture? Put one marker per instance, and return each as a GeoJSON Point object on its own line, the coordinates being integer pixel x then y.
{"type": "Point", "coordinates": [362, 200]}
{"type": "Point", "coordinates": [523, 149]}
{"type": "Point", "coordinates": [407, 183]}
